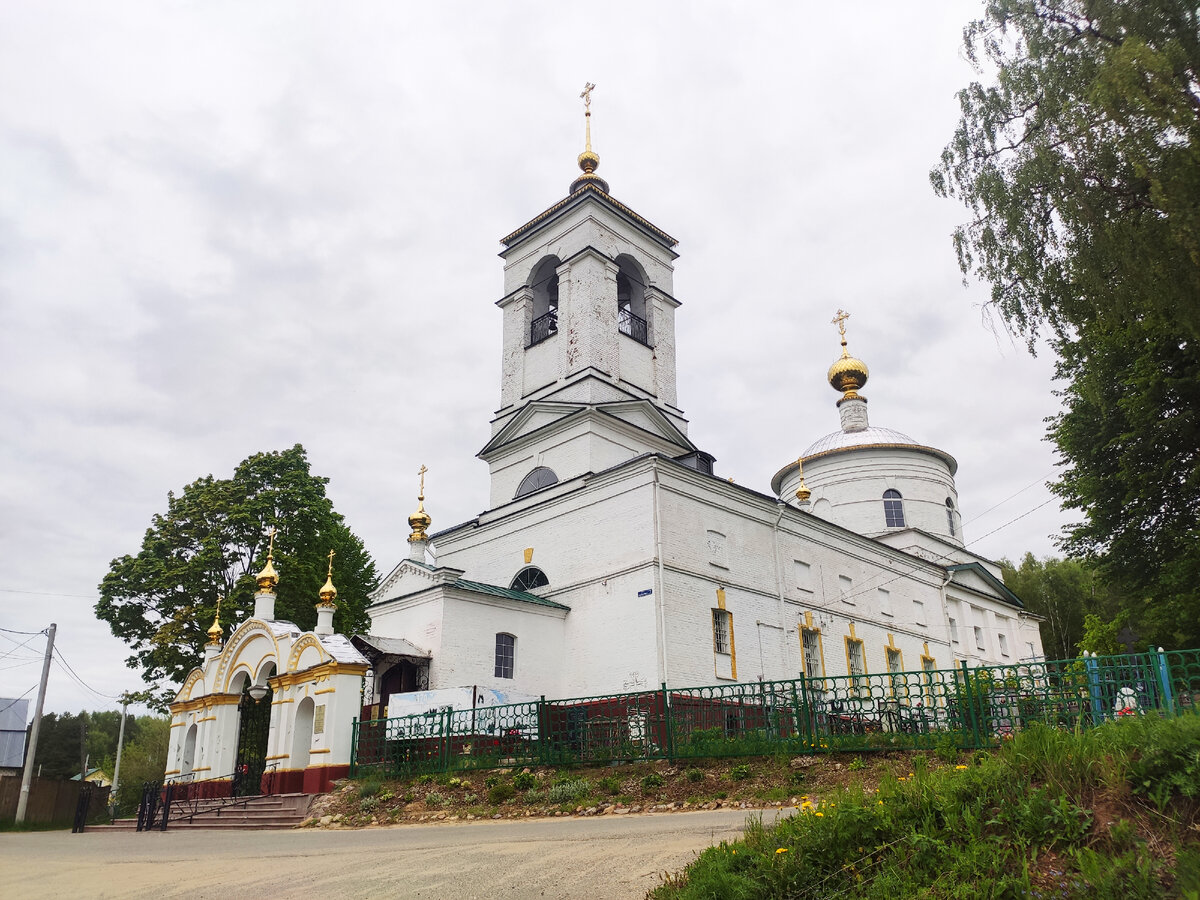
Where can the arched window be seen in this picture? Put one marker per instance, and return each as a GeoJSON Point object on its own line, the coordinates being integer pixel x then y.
{"type": "Point", "coordinates": [893, 509]}
{"type": "Point", "coordinates": [950, 517]}
{"type": "Point", "coordinates": [631, 299]}
{"type": "Point", "coordinates": [506, 655]}
{"type": "Point", "coordinates": [544, 284]}
{"type": "Point", "coordinates": [528, 579]}
{"type": "Point", "coordinates": [539, 478]}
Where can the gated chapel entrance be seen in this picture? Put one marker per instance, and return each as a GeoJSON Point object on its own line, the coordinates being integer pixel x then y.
{"type": "Point", "coordinates": [254, 725]}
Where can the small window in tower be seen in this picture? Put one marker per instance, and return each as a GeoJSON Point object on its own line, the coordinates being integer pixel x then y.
{"type": "Point", "coordinates": [539, 478]}
{"type": "Point", "coordinates": [950, 517]}
{"type": "Point", "coordinates": [506, 655]}
{"type": "Point", "coordinates": [893, 509]}
{"type": "Point", "coordinates": [528, 579]}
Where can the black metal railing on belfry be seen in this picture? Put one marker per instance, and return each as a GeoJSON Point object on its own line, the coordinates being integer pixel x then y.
{"type": "Point", "coordinates": [543, 327]}
{"type": "Point", "coordinates": [634, 326]}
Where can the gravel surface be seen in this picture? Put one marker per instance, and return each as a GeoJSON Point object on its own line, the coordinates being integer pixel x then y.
{"type": "Point", "coordinates": [555, 858]}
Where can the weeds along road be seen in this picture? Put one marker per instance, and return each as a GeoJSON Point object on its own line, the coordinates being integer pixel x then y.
{"type": "Point", "coordinates": [608, 857]}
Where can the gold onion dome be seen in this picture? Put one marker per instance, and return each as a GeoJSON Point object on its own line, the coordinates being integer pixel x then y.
{"type": "Point", "coordinates": [215, 631]}
{"type": "Point", "coordinates": [848, 373]}
{"type": "Point", "coordinates": [802, 492]}
{"type": "Point", "coordinates": [268, 578]}
{"type": "Point", "coordinates": [328, 592]}
{"type": "Point", "coordinates": [420, 521]}
{"type": "Point", "coordinates": [589, 159]}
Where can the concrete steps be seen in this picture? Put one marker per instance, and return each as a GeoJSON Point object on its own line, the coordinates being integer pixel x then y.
{"type": "Point", "coordinates": [273, 811]}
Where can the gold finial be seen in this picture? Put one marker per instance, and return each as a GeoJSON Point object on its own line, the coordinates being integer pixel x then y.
{"type": "Point", "coordinates": [420, 521]}
{"type": "Point", "coordinates": [847, 374]}
{"type": "Point", "coordinates": [328, 591]}
{"type": "Point", "coordinates": [215, 632]}
{"type": "Point", "coordinates": [589, 160]}
{"type": "Point", "coordinates": [802, 492]}
{"type": "Point", "coordinates": [268, 578]}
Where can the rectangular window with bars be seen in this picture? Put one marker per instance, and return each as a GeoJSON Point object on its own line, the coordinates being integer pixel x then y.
{"type": "Point", "coordinates": [895, 665]}
{"type": "Point", "coordinates": [928, 666]}
{"type": "Point", "coordinates": [721, 631]}
{"type": "Point", "coordinates": [856, 660]}
{"type": "Point", "coordinates": [811, 645]}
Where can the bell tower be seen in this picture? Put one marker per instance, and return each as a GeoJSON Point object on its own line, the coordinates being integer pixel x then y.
{"type": "Point", "coordinates": [588, 372]}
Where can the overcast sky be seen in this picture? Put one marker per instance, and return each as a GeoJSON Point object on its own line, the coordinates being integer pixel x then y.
{"type": "Point", "coordinates": [231, 227]}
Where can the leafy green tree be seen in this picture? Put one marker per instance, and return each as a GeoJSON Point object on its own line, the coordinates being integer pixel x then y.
{"type": "Point", "coordinates": [1080, 164]}
{"type": "Point", "coordinates": [1062, 591]}
{"type": "Point", "coordinates": [211, 542]}
{"type": "Point", "coordinates": [144, 759]}
{"type": "Point", "coordinates": [1101, 635]}
{"type": "Point", "coordinates": [59, 738]}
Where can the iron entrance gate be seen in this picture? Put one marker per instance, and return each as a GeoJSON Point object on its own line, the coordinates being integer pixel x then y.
{"type": "Point", "coordinates": [254, 718]}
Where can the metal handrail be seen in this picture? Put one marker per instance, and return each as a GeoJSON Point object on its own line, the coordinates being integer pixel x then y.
{"type": "Point", "coordinates": [543, 327]}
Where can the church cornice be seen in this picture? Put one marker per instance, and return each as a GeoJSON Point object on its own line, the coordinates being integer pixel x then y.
{"type": "Point", "coordinates": [586, 192]}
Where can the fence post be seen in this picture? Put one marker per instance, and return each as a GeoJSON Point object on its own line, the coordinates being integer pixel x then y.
{"type": "Point", "coordinates": [1092, 666]}
{"type": "Point", "coordinates": [1164, 677]}
{"type": "Point", "coordinates": [808, 711]}
{"type": "Point", "coordinates": [666, 704]}
{"type": "Point", "coordinates": [445, 729]}
{"type": "Point", "coordinates": [974, 717]}
{"type": "Point", "coordinates": [354, 747]}
{"type": "Point", "coordinates": [543, 753]}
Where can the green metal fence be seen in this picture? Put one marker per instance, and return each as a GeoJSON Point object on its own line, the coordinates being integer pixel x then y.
{"type": "Point", "coordinates": [963, 707]}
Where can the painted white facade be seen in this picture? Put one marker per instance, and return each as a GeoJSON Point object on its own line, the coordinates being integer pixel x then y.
{"type": "Point", "coordinates": [639, 542]}
{"type": "Point", "coordinates": [315, 684]}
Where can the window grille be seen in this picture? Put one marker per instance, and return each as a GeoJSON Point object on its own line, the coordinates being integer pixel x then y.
{"type": "Point", "coordinates": [893, 509]}
{"type": "Point", "coordinates": [857, 663]}
{"type": "Point", "coordinates": [950, 517]}
{"type": "Point", "coordinates": [812, 652]}
{"type": "Point", "coordinates": [720, 631]}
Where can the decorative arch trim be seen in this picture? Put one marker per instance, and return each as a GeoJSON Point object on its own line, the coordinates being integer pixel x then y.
{"type": "Point", "coordinates": [231, 655]}
{"type": "Point", "coordinates": [298, 648]}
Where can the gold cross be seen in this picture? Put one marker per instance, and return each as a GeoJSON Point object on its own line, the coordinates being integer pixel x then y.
{"type": "Point", "coordinates": [421, 471]}
{"type": "Point", "coordinates": [271, 545]}
{"type": "Point", "coordinates": [588, 87]}
{"type": "Point", "coordinates": [840, 321]}
{"type": "Point", "coordinates": [329, 574]}
{"type": "Point", "coordinates": [219, 599]}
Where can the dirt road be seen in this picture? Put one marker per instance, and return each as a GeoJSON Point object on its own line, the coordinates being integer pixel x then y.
{"type": "Point", "coordinates": [610, 857]}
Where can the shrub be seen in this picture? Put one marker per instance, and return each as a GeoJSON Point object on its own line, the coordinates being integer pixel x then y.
{"type": "Point", "coordinates": [739, 773]}
{"type": "Point", "coordinates": [523, 781]}
{"type": "Point", "coordinates": [433, 798]}
{"type": "Point", "coordinates": [610, 785]}
{"type": "Point", "coordinates": [492, 781]}
{"type": "Point", "coordinates": [567, 791]}
{"type": "Point", "coordinates": [694, 775]}
{"type": "Point", "coordinates": [652, 781]}
{"type": "Point", "coordinates": [499, 793]}
{"type": "Point", "coordinates": [370, 787]}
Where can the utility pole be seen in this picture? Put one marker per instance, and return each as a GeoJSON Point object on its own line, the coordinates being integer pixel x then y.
{"type": "Point", "coordinates": [112, 797]}
{"type": "Point", "coordinates": [27, 776]}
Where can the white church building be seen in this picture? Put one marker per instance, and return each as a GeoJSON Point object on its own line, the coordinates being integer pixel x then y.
{"type": "Point", "coordinates": [611, 557]}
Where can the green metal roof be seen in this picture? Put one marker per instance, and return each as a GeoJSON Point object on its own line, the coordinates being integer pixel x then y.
{"type": "Point", "coordinates": [507, 593]}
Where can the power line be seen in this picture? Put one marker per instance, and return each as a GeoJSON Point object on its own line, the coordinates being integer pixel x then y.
{"type": "Point", "coordinates": [43, 594]}
{"type": "Point", "coordinates": [18, 647]}
{"type": "Point", "coordinates": [15, 702]}
{"type": "Point", "coordinates": [1041, 480]}
{"type": "Point", "coordinates": [59, 658]}
{"type": "Point", "coordinates": [43, 631]}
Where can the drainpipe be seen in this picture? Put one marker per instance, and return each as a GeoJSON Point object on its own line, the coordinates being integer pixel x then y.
{"type": "Point", "coordinates": [658, 582]}
{"type": "Point", "coordinates": [787, 654]}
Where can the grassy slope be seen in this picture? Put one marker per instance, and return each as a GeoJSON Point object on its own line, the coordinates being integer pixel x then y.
{"type": "Point", "coordinates": [1110, 812]}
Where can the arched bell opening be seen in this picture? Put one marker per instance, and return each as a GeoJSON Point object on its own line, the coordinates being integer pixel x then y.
{"type": "Point", "coordinates": [543, 281]}
{"type": "Point", "coordinates": [631, 299]}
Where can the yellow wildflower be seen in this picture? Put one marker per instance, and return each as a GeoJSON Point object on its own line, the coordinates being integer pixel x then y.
{"type": "Point", "coordinates": [960, 767]}
{"type": "Point", "coordinates": [781, 850]}
{"type": "Point", "coordinates": [819, 813]}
